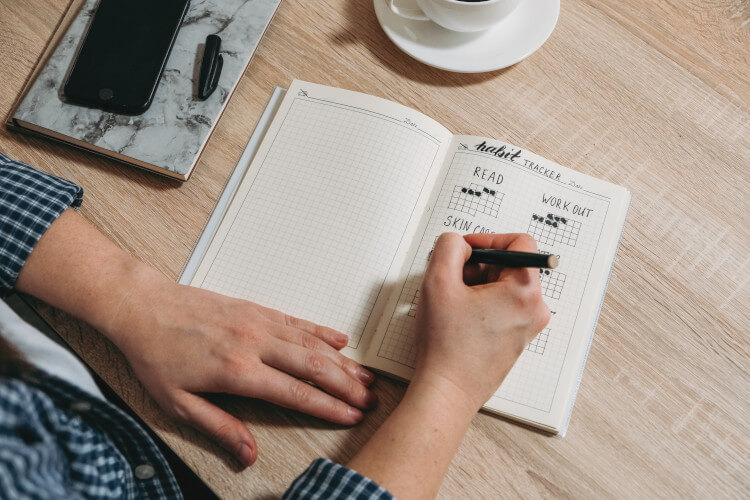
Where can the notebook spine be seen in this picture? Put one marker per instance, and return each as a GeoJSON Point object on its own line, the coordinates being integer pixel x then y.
{"type": "Point", "coordinates": [230, 188]}
{"type": "Point", "coordinates": [569, 411]}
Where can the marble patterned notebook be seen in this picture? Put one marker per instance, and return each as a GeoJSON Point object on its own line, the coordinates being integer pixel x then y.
{"type": "Point", "coordinates": [169, 137]}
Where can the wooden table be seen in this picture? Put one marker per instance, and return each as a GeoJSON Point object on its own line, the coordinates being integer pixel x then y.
{"type": "Point", "coordinates": [651, 95]}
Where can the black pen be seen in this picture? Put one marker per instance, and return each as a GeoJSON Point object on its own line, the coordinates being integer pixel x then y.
{"type": "Point", "coordinates": [509, 258]}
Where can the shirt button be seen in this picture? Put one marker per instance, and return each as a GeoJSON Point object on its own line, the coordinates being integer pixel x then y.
{"type": "Point", "coordinates": [80, 406]}
{"type": "Point", "coordinates": [144, 471]}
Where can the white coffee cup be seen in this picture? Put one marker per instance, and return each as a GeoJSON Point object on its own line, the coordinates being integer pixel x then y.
{"type": "Point", "coordinates": [456, 15]}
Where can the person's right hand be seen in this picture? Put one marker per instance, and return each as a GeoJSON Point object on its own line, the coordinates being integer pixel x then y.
{"type": "Point", "coordinates": [473, 321]}
{"type": "Point", "coordinates": [470, 336]}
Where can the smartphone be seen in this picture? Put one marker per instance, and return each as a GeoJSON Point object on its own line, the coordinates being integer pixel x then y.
{"type": "Point", "coordinates": [121, 59]}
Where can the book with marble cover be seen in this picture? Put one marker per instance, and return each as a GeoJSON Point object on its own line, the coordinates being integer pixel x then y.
{"type": "Point", "coordinates": [170, 136]}
{"type": "Point", "coordinates": [334, 209]}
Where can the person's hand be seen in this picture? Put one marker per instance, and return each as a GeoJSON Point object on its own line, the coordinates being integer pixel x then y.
{"type": "Point", "coordinates": [474, 321]}
{"type": "Point", "coordinates": [183, 341]}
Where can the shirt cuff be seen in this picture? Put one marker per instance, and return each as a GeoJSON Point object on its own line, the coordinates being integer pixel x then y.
{"type": "Point", "coordinates": [324, 479]}
{"type": "Point", "coordinates": [30, 201]}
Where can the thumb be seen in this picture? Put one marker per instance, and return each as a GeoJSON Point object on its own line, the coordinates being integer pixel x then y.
{"type": "Point", "coordinates": [219, 425]}
{"type": "Point", "coordinates": [448, 257]}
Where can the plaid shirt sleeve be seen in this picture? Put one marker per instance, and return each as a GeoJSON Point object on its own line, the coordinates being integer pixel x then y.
{"type": "Point", "coordinates": [324, 479]}
{"type": "Point", "coordinates": [30, 201]}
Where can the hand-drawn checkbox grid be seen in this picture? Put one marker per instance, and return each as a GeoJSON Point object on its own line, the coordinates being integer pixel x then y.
{"type": "Point", "coordinates": [552, 283]}
{"type": "Point", "coordinates": [413, 308]}
{"type": "Point", "coordinates": [355, 178]}
{"type": "Point", "coordinates": [539, 343]}
{"type": "Point", "coordinates": [552, 228]}
{"type": "Point", "coordinates": [476, 198]}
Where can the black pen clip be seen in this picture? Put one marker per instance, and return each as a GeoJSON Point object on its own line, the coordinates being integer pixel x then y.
{"type": "Point", "coordinates": [210, 67]}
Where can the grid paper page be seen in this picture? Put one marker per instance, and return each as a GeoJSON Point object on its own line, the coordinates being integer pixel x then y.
{"type": "Point", "coordinates": [322, 211]}
{"type": "Point", "coordinates": [522, 196]}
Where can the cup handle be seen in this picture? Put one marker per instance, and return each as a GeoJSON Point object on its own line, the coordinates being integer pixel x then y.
{"type": "Point", "coordinates": [415, 14]}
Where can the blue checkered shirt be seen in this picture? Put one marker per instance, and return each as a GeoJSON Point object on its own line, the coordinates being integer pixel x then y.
{"type": "Point", "coordinates": [58, 441]}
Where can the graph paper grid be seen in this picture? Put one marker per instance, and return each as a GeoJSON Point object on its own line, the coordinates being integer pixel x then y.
{"type": "Point", "coordinates": [318, 229]}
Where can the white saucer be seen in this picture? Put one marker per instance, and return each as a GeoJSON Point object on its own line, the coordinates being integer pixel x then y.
{"type": "Point", "coordinates": [511, 40]}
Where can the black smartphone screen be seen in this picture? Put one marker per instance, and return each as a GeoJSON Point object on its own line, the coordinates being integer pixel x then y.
{"type": "Point", "coordinates": [122, 57]}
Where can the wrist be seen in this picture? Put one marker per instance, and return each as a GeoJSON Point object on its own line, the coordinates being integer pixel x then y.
{"type": "Point", "coordinates": [443, 393]}
{"type": "Point", "coordinates": [134, 291]}
{"type": "Point", "coordinates": [421, 435]}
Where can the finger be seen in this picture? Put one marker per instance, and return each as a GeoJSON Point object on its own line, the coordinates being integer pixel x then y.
{"type": "Point", "coordinates": [474, 273]}
{"type": "Point", "coordinates": [524, 275]}
{"type": "Point", "coordinates": [284, 390]}
{"type": "Point", "coordinates": [317, 368]}
{"type": "Point", "coordinates": [498, 241]}
{"type": "Point", "coordinates": [300, 338]}
{"type": "Point", "coordinates": [330, 336]}
{"type": "Point", "coordinates": [448, 258]}
{"type": "Point", "coordinates": [227, 431]}
{"type": "Point", "coordinates": [520, 242]}
{"type": "Point", "coordinates": [477, 273]}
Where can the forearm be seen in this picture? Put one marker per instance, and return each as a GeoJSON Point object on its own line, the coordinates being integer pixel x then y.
{"type": "Point", "coordinates": [412, 450]}
{"type": "Point", "coordinates": [468, 340]}
{"type": "Point", "coordinates": [77, 269]}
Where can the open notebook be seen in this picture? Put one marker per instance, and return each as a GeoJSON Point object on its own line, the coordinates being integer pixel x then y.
{"type": "Point", "coordinates": [334, 218]}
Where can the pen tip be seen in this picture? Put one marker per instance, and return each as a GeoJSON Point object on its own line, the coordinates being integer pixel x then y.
{"type": "Point", "coordinates": [553, 261]}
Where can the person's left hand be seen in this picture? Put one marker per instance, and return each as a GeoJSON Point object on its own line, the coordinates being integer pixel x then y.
{"type": "Point", "coordinates": [183, 341]}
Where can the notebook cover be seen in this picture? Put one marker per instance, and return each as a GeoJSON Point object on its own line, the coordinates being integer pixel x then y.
{"type": "Point", "coordinates": [170, 136]}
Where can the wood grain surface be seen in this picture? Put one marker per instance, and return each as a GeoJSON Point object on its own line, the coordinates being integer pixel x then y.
{"type": "Point", "coordinates": [651, 95]}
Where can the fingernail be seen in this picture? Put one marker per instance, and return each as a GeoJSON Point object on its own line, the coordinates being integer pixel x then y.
{"type": "Point", "coordinates": [341, 338]}
{"type": "Point", "coordinates": [371, 400]}
{"type": "Point", "coordinates": [245, 454]}
{"type": "Point", "coordinates": [365, 376]}
{"type": "Point", "coordinates": [355, 413]}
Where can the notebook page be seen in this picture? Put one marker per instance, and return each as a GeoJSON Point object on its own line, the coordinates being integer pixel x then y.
{"type": "Point", "coordinates": [318, 220]}
{"type": "Point", "coordinates": [491, 186]}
